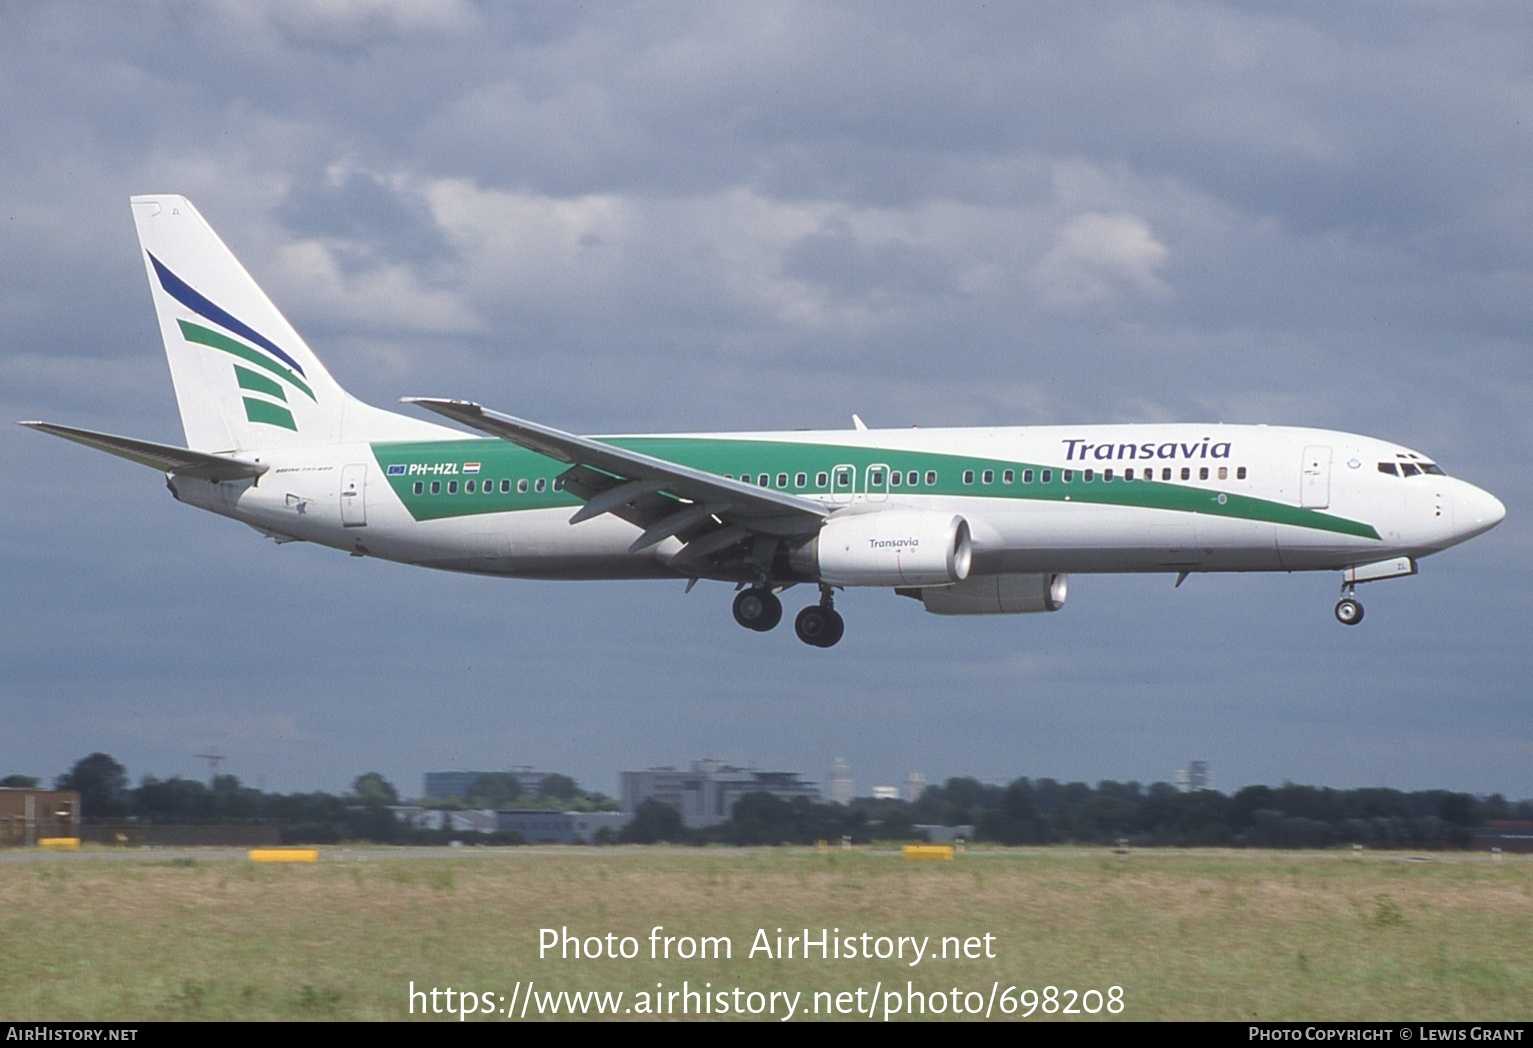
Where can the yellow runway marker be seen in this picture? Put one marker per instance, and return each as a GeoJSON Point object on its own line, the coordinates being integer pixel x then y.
{"type": "Point", "coordinates": [284, 855]}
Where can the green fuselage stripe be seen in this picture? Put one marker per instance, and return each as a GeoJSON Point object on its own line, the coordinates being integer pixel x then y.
{"type": "Point", "coordinates": [444, 462]}
{"type": "Point", "coordinates": [208, 337]}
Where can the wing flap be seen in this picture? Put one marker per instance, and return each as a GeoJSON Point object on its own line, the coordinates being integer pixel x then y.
{"type": "Point", "coordinates": [166, 458]}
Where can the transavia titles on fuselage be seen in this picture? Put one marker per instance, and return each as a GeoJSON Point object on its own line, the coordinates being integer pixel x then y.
{"type": "Point", "coordinates": [968, 521]}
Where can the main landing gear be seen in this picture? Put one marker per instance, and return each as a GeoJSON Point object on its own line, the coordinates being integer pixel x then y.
{"type": "Point", "coordinates": [758, 609]}
{"type": "Point", "coordinates": [818, 625]}
{"type": "Point", "coordinates": [1349, 610]}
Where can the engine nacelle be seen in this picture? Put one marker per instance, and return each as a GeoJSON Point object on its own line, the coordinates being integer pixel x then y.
{"type": "Point", "coordinates": [888, 548]}
{"type": "Point", "coordinates": [995, 595]}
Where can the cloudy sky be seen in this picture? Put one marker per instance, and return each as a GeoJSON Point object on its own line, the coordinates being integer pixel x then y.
{"type": "Point", "coordinates": [626, 218]}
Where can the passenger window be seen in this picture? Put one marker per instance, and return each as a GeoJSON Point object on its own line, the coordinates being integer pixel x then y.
{"type": "Point", "coordinates": [988, 476]}
{"type": "Point", "coordinates": [1224, 473]}
{"type": "Point", "coordinates": [1240, 473]}
{"type": "Point", "coordinates": [876, 478]}
{"type": "Point", "coordinates": [1203, 473]}
{"type": "Point", "coordinates": [1048, 476]}
{"type": "Point", "coordinates": [436, 487]}
{"type": "Point", "coordinates": [913, 478]}
{"type": "Point", "coordinates": [968, 476]}
{"type": "Point", "coordinates": [894, 478]}
{"type": "Point", "coordinates": [782, 480]}
{"type": "Point", "coordinates": [1186, 473]}
{"type": "Point", "coordinates": [1027, 476]}
{"type": "Point", "coordinates": [452, 487]}
{"type": "Point", "coordinates": [1128, 474]}
{"type": "Point", "coordinates": [1069, 476]}
{"type": "Point", "coordinates": [1009, 477]}
{"type": "Point", "coordinates": [558, 483]}
{"type": "Point", "coordinates": [419, 487]}
{"type": "Point", "coordinates": [763, 481]}
{"type": "Point", "coordinates": [539, 484]}
{"type": "Point", "coordinates": [843, 478]}
{"type": "Point", "coordinates": [801, 481]}
{"type": "Point", "coordinates": [470, 487]}
{"type": "Point", "coordinates": [931, 478]}
{"type": "Point", "coordinates": [821, 479]}
{"type": "Point", "coordinates": [1090, 475]}
{"type": "Point", "coordinates": [521, 486]}
{"type": "Point", "coordinates": [505, 487]}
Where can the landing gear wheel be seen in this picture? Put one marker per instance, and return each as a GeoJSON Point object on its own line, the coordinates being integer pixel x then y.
{"type": "Point", "coordinates": [818, 626]}
{"type": "Point", "coordinates": [758, 609]}
{"type": "Point", "coordinates": [1349, 612]}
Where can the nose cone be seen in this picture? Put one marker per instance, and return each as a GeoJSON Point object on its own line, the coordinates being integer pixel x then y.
{"type": "Point", "coordinates": [1475, 512]}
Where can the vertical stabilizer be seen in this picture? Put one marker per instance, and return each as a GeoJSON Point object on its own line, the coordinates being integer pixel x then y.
{"type": "Point", "coordinates": [244, 378]}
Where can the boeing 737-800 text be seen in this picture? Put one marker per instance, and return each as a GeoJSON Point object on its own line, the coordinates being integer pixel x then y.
{"type": "Point", "coordinates": [968, 521]}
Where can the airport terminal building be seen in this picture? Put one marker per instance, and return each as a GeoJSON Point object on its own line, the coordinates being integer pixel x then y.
{"type": "Point", "coordinates": [706, 793]}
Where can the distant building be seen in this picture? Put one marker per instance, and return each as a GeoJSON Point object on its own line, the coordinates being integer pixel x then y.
{"type": "Point", "coordinates": [706, 793]}
{"type": "Point", "coordinates": [443, 784]}
{"type": "Point", "coordinates": [886, 793]}
{"type": "Point", "coordinates": [1509, 835]}
{"type": "Point", "coordinates": [838, 790]}
{"type": "Point", "coordinates": [915, 785]}
{"type": "Point", "coordinates": [559, 827]}
{"type": "Point", "coordinates": [450, 821]}
{"type": "Point", "coordinates": [935, 834]}
{"type": "Point", "coordinates": [27, 815]}
{"type": "Point", "coordinates": [1198, 775]}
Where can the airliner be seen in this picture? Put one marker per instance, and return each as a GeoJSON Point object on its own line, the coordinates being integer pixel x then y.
{"type": "Point", "coordinates": [975, 521]}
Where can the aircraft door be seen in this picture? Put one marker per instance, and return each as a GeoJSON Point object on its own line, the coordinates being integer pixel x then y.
{"type": "Point", "coordinates": [1315, 483]}
{"type": "Point", "coordinates": [354, 495]}
{"type": "Point", "coordinates": [843, 483]}
{"type": "Point", "coordinates": [876, 482]}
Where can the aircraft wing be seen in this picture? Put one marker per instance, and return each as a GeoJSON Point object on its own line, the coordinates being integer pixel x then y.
{"type": "Point", "coordinates": [164, 457]}
{"type": "Point", "coordinates": [711, 514]}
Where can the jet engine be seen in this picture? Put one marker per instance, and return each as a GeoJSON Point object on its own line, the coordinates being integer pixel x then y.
{"type": "Point", "coordinates": [888, 548]}
{"type": "Point", "coordinates": [994, 595]}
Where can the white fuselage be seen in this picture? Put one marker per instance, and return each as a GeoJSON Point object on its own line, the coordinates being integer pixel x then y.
{"type": "Point", "coordinates": [1216, 498]}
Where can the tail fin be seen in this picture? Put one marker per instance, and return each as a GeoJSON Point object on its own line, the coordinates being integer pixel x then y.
{"type": "Point", "coordinates": [244, 378]}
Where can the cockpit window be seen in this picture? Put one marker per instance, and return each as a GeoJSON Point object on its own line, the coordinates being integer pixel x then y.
{"type": "Point", "coordinates": [1411, 469]}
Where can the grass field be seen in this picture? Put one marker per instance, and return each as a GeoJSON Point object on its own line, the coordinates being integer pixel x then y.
{"type": "Point", "coordinates": [1185, 934]}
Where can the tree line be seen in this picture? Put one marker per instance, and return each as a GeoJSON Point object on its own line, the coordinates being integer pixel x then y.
{"type": "Point", "coordinates": [1024, 811]}
{"type": "Point", "coordinates": [1043, 811]}
{"type": "Point", "coordinates": [107, 795]}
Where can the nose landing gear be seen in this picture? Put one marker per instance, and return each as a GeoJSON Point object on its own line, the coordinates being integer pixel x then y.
{"type": "Point", "coordinates": [1349, 610]}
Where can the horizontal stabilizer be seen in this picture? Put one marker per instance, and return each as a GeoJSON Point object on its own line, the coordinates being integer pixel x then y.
{"type": "Point", "coordinates": [163, 457]}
